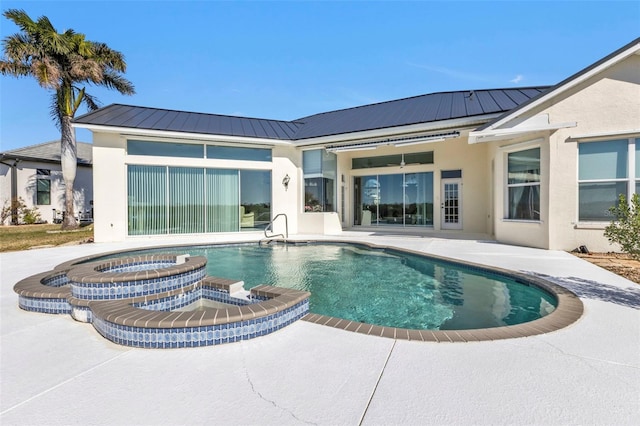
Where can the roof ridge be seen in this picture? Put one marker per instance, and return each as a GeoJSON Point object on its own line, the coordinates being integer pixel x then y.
{"type": "Point", "coordinates": [540, 87]}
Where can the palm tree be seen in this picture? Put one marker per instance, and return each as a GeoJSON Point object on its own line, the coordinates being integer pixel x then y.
{"type": "Point", "coordinates": [63, 63]}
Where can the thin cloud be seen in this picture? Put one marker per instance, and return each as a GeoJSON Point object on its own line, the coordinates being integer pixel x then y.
{"type": "Point", "coordinates": [461, 75]}
{"type": "Point", "coordinates": [518, 79]}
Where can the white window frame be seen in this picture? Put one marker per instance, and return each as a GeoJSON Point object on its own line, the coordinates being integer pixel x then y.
{"type": "Point", "coordinates": [510, 149]}
{"type": "Point", "coordinates": [631, 179]}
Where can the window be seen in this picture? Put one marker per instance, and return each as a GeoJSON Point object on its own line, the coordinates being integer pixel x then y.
{"type": "Point", "coordinates": [605, 170]}
{"type": "Point", "coordinates": [320, 169]}
{"type": "Point", "coordinates": [238, 153]}
{"type": "Point", "coordinates": [403, 199]}
{"type": "Point", "coordinates": [43, 187]}
{"type": "Point", "coordinates": [523, 185]}
{"type": "Point", "coordinates": [165, 149]}
{"type": "Point", "coordinates": [392, 160]}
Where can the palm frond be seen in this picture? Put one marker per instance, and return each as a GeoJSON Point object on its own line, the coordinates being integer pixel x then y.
{"type": "Point", "coordinates": [82, 69]}
{"type": "Point", "coordinates": [14, 69]}
{"type": "Point", "coordinates": [18, 47]}
{"type": "Point", "coordinates": [47, 73]}
{"type": "Point", "coordinates": [91, 102]}
{"type": "Point", "coordinates": [21, 19]}
{"type": "Point", "coordinates": [54, 110]}
{"type": "Point", "coordinates": [109, 57]}
{"type": "Point", "coordinates": [113, 80]}
{"type": "Point", "coordinates": [62, 62]}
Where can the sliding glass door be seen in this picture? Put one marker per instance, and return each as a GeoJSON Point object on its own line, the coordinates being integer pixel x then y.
{"type": "Point", "coordinates": [394, 199]}
{"type": "Point", "coordinates": [255, 199]}
{"type": "Point", "coordinates": [189, 200]}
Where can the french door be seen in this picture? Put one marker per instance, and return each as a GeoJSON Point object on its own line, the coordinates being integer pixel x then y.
{"type": "Point", "coordinates": [451, 207]}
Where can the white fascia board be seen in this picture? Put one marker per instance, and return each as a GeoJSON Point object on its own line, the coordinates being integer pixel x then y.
{"type": "Point", "coordinates": [128, 131]}
{"type": "Point", "coordinates": [502, 134]}
{"type": "Point", "coordinates": [635, 49]}
{"type": "Point", "coordinates": [365, 136]}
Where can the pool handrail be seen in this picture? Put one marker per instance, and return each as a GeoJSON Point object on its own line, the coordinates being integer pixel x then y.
{"type": "Point", "coordinates": [285, 236]}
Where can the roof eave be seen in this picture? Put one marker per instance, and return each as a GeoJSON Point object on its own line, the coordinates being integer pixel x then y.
{"type": "Point", "coordinates": [130, 131]}
{"type": "Point", "coordinates": [503, 134]}
{"type": "Point", "coordinates": [5, 157]}
{"type": "Point", "coordinates": [458, 123]}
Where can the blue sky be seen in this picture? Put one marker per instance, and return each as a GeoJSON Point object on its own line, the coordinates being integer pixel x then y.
{"type": "Point", "coordinates": [286, 60]}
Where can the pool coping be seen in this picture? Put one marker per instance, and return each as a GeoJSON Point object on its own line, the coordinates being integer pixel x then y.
{"type": "Point", "coordinates": [569, 307]}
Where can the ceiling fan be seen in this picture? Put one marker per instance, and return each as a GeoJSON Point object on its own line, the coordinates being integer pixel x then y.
{"type": "Point", "coordinates": [402, 163]}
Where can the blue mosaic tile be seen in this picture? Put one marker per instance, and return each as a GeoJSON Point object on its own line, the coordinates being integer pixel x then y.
{"type": "Point", "coordinates": [126, 290]}
{"type": "Point", "coordinates": [199, 336]}
{"type": "Point", "coordinates": [56, 281]}
{"type": "Point", "coordinates": [47, 306]}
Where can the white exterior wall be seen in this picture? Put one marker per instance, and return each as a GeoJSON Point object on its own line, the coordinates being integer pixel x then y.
{"type": "Point", "coordinates": [609, 103]}
{"type": "Point", "coordinates": [286, 161]}
{"type": "Point", "coordinates": [110, 180]}
{"type": "Point", "coordinates": [519, 232]}
{"type": "Point", "coordinates": [452, 154]}
{"type": "Point", "coordinates": [26, 174]}
{"type": "Point", "coordinates": [605, 104]}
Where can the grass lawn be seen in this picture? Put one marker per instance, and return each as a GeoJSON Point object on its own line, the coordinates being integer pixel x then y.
{"type": "Point", "coordinates": [22, 237]}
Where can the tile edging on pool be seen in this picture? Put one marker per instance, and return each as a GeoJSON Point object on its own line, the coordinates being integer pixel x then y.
{"type": "Point", "coordinates": [569, 306]}
{"type": "Point", "coordinates": [568, 310]}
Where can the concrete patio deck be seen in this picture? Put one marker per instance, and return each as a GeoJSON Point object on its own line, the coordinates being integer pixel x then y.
{"type": "Point", "coordinates": [54, 370]}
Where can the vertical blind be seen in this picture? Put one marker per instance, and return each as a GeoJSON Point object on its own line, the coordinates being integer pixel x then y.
{"type": "Point", "coordinates": [223, 200]}
{"type": "Point", "coordinates": [188, 200]}
{"type": "Point", "coordinates": [147, 200]}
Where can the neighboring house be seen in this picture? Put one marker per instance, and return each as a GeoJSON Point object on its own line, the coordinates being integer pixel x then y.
{"type": "Point", "coordinates": [536, 166]}
{"type": "Point", "coordinates": [34, 174]}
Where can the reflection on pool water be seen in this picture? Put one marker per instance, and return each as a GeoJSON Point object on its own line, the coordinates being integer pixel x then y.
{"type": "Point", "coordinates": [379, 286]}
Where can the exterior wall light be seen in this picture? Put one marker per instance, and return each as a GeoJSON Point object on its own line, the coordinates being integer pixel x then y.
{"type": "Point", "coordinates": [285, 181]}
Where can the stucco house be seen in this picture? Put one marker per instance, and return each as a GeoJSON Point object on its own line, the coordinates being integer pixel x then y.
{"type": "Point", "coordinates": [34, 174]}
{"type": "Point", "coordinates": [534, 166]}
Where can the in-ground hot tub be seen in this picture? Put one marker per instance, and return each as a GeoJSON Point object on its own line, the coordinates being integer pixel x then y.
{"type": "Point", "coordinates": [132, 301]}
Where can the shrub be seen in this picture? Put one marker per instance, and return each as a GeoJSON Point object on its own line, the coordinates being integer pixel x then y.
{"type": "Point", "coordinates": [625, 227]}
{"type": "Point", "coordinates": [24, 214]}
{"type": "Point", "coordinates": [31, 216]}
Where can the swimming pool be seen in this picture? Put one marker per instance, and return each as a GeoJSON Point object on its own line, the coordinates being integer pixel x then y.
{"type": "Point", "coordinates": [384, 287]}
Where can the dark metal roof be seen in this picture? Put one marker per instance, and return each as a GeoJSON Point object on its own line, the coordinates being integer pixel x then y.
{"type": "Point", "coordinates": [135, 117]}
{"type": "Point", "coordinates": [49, 152]}
{"type": "Point", "coordinates": [419, 109]}
{"type": "Point", "coordinates": [415, 110]}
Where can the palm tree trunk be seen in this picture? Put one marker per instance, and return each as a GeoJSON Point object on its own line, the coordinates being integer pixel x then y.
{"type": "Point", "coordinates": [69, 163]}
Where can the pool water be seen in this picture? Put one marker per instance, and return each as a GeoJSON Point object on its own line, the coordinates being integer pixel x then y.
{"type": "Point", "coordinates": [379, 286]}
